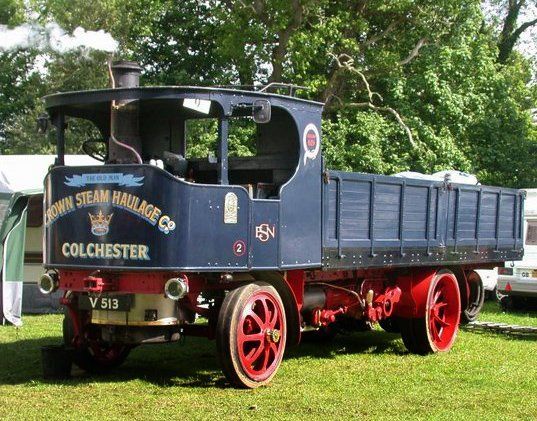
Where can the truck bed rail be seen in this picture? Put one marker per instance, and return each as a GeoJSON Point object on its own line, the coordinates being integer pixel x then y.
{"type": "Point", "coordinates": [383, 221]}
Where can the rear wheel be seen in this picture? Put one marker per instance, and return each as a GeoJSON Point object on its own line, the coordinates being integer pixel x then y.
{"type": "Point", "coordinates": [91, 355]}
{"type": "Point", "coordinates": [475, 300]}
{"type": "Point", "coordinates": [436, 331]}
{"type": "Point", "coordinates": [251, 334]}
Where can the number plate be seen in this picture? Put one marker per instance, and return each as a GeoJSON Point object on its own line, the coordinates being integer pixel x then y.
{"type": "Point", "coordinates": [108, 303]}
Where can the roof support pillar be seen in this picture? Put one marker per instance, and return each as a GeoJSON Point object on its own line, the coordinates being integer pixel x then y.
{"type": "Point", "coordinates": [223, 131]}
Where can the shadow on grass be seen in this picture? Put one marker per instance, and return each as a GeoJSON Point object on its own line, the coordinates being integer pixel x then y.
{"type": "Point", "coordinates": [527, 310]}
{"type": "Point", "coordinates": [515, 336]}
{"type": "Point", "coordinates": [192, 364]}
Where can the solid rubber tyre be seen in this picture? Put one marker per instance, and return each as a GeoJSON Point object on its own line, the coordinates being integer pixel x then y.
{"type": "Point", "coordinates": [251, 335]}
{"type": "Point", "coordinates": [475, 300]}
{"type": "Point", "coordinates": [437, 330]}
{"type": "Point", "coordinates": [94, 357]}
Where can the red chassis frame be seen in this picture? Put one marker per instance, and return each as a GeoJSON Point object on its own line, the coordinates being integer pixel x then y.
{"type": "Point", "coordinates": [372, 295]}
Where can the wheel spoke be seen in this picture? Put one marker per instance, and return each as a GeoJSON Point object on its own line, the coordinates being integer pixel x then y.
{"type": "Point", "coordinates": [435, 332]}
{"type": "Point", "coordinates": [440, 305]}
{"type": "Point", "coordinates": [253, 337]}
{"type": "Point", "coordinates": [437, 295]}
{"type": "Point", "coordinates": [441, 321]}
{"type": "Point", "coordinates": [265, 311]}
{"type": "Point", "coordinates": [266, 358]}
{"type": "Point", "coordinates": [274, 348]}
{"type": "Point", "coordinates": [273, 320]}
{"type": "Point", "coordinates": [256, 319]}
{"type": "Point", "coordinates": [254, 354]}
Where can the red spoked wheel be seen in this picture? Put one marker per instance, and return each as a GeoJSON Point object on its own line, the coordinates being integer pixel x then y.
{"type": "Point", "coordinates": [437, 331]}
{"type": "Point", "coordinates": [251, 335]}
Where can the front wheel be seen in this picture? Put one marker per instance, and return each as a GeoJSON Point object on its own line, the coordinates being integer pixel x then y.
{"type": "Point", "coordinates": [436, 331]}
{"type": "Point", "coordinates": [251, 334]}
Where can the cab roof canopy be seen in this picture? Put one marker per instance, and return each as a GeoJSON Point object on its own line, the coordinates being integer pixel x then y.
{"type": "Point", "coordinates": [94, 105]}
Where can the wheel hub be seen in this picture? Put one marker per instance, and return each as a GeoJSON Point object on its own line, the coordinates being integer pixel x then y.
{"type": "Point", "coordinates": [273, 335]}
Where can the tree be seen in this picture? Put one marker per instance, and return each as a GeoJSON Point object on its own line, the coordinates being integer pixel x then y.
{"type": "Point", "coordinates": [511, 29]}
{"type": "Point", "coordinates": [408, 84]}
{"type": "Point", "coordinates": [17, 77]}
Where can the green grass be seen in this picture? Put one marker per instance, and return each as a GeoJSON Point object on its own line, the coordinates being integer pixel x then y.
{"type": "Point", "coordinates": [363, 375]}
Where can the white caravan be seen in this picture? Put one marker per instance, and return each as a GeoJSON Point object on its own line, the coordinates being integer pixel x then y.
{"type": "Point", "coordinates": [518, 280]}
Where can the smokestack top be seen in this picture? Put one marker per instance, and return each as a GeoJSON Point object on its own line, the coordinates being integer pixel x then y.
{"type": "Point", "coordinates": [126, 74]}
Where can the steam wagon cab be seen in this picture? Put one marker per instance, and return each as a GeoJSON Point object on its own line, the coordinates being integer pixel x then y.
{"type": "Point", "coordinates": [260, 240]}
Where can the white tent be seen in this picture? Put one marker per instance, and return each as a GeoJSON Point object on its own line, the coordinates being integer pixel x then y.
{"type": "Point", "coordinates": [21, 177]}
{"type": "Point", "coordinates": [25, 173]}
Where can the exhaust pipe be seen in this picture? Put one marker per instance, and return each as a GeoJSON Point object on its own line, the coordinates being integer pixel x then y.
{"type": "Point", "coordinates": [125, 145]}
{"type": "Point", "coordinates": [48, 283]}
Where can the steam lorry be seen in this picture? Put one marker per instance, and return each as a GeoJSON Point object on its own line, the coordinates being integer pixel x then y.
{"type": "Point", "coordinates": [256, 252]}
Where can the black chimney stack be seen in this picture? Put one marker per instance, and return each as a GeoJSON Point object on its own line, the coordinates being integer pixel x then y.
{"type": "Point", "coordinates": [125, 116]}
{"type": "Point", "coordinates": [126, 74]}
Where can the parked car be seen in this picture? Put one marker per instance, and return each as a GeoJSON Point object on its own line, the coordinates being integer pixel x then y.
{"type": "Point", "coordinates": [517, 281]}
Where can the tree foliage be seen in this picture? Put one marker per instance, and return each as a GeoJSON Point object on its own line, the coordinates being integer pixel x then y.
{"type": "Point", "coordinates": [408, 85]}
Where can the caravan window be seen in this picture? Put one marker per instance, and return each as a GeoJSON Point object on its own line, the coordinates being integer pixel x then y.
{"type": "Point", "coordinates": [531, 233]}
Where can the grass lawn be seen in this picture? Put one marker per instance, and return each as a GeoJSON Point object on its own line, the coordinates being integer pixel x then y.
{"type": "Point", "coordinates": [363, 375]}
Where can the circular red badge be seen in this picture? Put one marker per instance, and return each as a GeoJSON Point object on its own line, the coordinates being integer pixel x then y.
{"type": "Point", "coordinates": [311, 140]}
{"type": "Point", "coordinates": [239, 248]}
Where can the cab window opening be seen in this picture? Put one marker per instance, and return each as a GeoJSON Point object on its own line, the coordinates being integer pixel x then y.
{"type": "Point", "coordinates": [202, 147]}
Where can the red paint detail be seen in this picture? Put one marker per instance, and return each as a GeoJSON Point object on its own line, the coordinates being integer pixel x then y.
{"type": "Point", "coordinates": [239, 248]}
{"type": "Point", "coordinates": [99, 285]}
{"type": "Point", "coordinates": [384, 304]}
{"type": "Point", "coordinates": [67, 301]}
{"type": "Point", "coordinates": [295, 279]}
{"type": "Point", "coordinates": [414, 291]}
{"type": "Point", "coordinates": [443, 310]}
{"type": "Point", "coordinates": [311, 140]}
{"type": "Point", "coordinates": [337, 298]}
{"type": "Point", "coordinates": [259, 322]}
{"type": "Point", "coordinates": [129, 282]}
{"type": "Point", "coordinates": [325, 317]}
{"type": "Point", "coordinates": [326, 276]}
{"type": "Point", "coordinates": [106, 353]}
